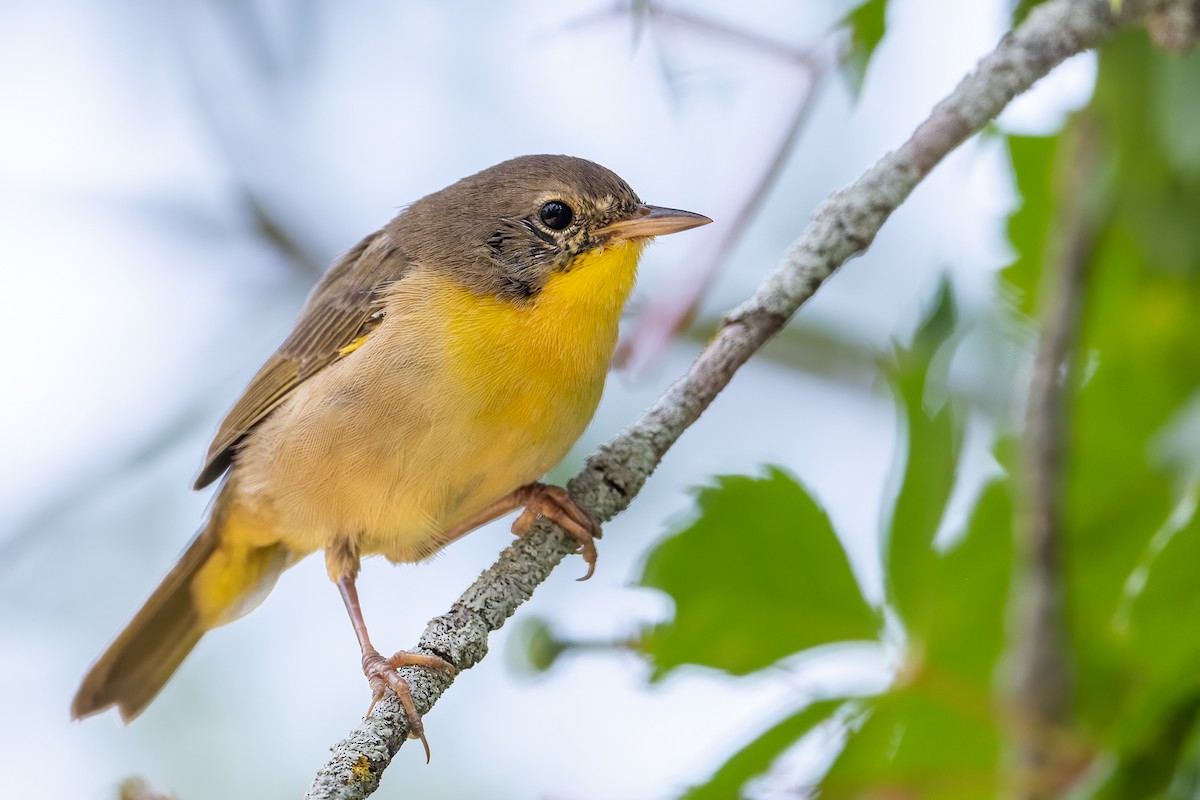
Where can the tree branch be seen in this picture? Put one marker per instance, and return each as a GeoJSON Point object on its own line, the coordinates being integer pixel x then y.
{"type": "Point", "coordinates": [1043, 679]}
{"type": "Point", "coordinates": [843, 227]}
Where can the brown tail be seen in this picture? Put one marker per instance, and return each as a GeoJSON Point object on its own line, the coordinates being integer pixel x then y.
{"type": "Point", "coordinates": [218, 579]}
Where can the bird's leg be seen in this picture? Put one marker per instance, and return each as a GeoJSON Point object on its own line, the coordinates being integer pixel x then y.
{"type": "Point", "coordinates": [381, 672]}
{"type": "Point", "coordinates": [493, 512]}
{"type": "Point", "coordinates": [540, 499]}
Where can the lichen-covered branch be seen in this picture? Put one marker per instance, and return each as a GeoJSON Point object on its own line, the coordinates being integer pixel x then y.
{"type": "Point", "coordinates": [843, 227]}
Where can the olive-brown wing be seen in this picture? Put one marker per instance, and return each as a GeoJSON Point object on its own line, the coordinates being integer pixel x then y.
{"type": "Point", "coordinates": [343, 309]}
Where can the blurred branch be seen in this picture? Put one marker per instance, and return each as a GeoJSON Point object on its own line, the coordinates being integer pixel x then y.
{"type": "Point", "coordinates": [1174, 25]}
{"type": "Point", "coordinates": [266, 72]}
{"type": "Point", "coordinates": [843, 227]}
{"type": "Point", "coordinates": [275, 232]}
{"type": "Point", "coordinates": [823, 352]}
{"type": "Point", "coordinates": [1042, 691]}
{"type": "Point", "coordinates": [827, 353]}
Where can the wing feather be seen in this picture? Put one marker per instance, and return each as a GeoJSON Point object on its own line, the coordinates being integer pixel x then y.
{"type": "Point", "coordinates": [344, 308]}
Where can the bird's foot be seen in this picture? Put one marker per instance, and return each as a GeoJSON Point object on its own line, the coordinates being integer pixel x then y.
{"type": "Point", "coordinates": [556, 504]}
{"type": "Point", "coordinates": [381, 675]}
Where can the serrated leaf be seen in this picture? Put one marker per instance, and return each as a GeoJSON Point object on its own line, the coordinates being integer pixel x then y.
{"type": "Point", "coordinates": [1032, 159]}
{"type": "Point", "coordinates": [756, 757]}
{"type": "Point", "coordinates": [929, 470]}
{"type": "Point", "coordinates": [936, 734]}
{"type": "Point", "coordinates": [932, 461]}
{"type": "Point", "coordinates": [935, 330]}
{"type": "Point", "coordinates": [758, 575]}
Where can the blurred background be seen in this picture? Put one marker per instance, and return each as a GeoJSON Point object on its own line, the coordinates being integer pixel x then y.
{"type": "Point", "coordinates": [175, 176]}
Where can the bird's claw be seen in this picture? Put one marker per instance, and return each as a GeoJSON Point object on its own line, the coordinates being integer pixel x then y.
{"type": "Point", "coordinates": [554, 503]}
{"type": "Point", "coordinates": [382, 674]}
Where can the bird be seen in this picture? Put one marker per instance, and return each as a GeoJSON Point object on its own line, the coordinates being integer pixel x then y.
{"type": "Point", "coordinates": [435, 374]}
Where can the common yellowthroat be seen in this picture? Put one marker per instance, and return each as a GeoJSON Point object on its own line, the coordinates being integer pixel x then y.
{"type": "Point", "coordinates": [437, 371]}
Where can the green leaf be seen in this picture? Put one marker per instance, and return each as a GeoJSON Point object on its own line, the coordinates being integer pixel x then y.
{"type": "Point", "coordinates": [1185, 783]}
{"type": "Point", "coordinates": [928, 481]}
{"type": "Point", "coordinates": [1168, 602]}
{"type": "Point", "coordinates": [964, 634]}
{"type": "Point", "coordinates": [935, 734]}
{"type": "Point", "coordinates": [1163, 672]}
{"type": "Point", "coordinates": [930, 740]}
{"type": "Point", "coordinates": [1033, 159]}
{"type": "Point", "coordinates": [1149, 770]}
{"type": "Point", "coordinates": [1145, 104]}
{"type": "Point", "coordinates": [928, 474]}
{"type": "Point", "coordinates": [757, 576]}
{"type": "Point", "coordinates": [756, 757]}
{"type": "Point", "coordinates": [535, 646]}
{"type": "Point", "coordinates": [867, 24]}
{"type": "Point", "coordinates": [934, 332]}
{"type": "Point", "coordinates": [1178, 112]}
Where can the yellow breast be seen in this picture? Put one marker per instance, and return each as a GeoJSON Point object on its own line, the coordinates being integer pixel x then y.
{"type": "Point", "coordinates": [521, 379]}
{"type": "Point", "coordinates": [453, 402]}
{"type": "Point", "coordinates": [558, 343]}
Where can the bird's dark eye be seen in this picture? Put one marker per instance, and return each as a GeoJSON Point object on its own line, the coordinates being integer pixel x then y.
{"type": "Point", "coordinates": [557, 215]}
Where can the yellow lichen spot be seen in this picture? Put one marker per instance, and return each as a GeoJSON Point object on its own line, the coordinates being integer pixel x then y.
{"type": "Point", "coordinates": [361, 771]}
{"type": "Point", "coordinates": [350, 348]}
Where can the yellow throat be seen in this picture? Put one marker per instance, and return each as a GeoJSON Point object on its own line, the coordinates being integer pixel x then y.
{"type": "Point", "coordinates": [567, 332]}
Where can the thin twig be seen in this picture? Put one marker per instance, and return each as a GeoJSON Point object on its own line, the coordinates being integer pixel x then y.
{"type": "Point", "coordinates": [752, 40]}
{"type": "Point", "coordinates": [844, 227]}
{"type": "Point", "coordinates": [264, 74]}
{"type": "Point", "coordinates": [1043, 676]}
{"type": "Point", "coordinates": [670, 312]}
{"type": "Point", "coordinates": [666, 315]}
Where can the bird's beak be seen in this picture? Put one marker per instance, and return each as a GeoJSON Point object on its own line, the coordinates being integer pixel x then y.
{"type": "Point", "coordinates": [647, 221]}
